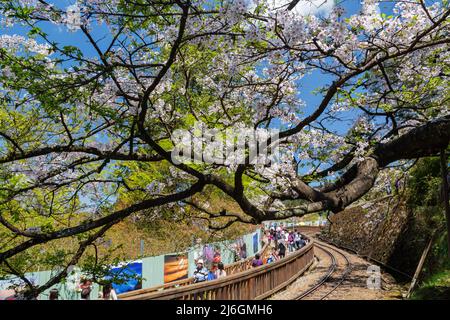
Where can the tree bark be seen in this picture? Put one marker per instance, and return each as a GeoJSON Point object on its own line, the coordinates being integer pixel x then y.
{"type": "Point", "coordinates": [427, 140]}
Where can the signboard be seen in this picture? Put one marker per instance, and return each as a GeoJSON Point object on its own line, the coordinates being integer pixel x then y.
{"type": "Point", "coordinates": [175, 267]}
{"type": "Point", "coordinates": [255, 243]}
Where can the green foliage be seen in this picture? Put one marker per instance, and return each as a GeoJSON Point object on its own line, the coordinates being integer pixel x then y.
{"type": "Point", "coordinates": [424, 183]}
{"type": "Point", "coordinates": [435, 287]}
{"type": "Point", "coordinates": [98, 267]}
{"type": "Point", "coordinates": [423, 195]}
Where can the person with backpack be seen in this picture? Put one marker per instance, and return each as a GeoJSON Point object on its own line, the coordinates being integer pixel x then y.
{"type": "Point", "coordinates": [275, 236]}
{"type": "Point", "coordinates": [281, 249]}
{"type": "Point", "coordinates": [273, 256]}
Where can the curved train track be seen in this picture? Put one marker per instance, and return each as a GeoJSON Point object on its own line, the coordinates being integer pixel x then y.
{"type": "Point", "coordinates": [320, 290]}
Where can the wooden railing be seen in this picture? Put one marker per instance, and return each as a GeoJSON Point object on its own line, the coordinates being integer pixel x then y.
{"type": "Point", "coordinates": [231, 268]}
{"type": "Point", "coordinates": [256, 283]}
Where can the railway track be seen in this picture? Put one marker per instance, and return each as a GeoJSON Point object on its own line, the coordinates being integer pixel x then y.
{"type": "Point", "coordinates": [338, 275]}
{"type": "Point", "coordinates": [339, 266]}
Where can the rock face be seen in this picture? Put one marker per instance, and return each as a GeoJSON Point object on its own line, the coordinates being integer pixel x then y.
{"type": "Point", "coordinates": [372, 229]}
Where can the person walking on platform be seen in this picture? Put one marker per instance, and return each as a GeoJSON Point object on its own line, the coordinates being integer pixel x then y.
{"type": "Point", "coordinates": [273, 256]}
{"type": "Point", "coordinates": [108, 293]}
{"type": "Point", "coordinates": [297, 240]}
{"type": "Point", "coordinates": [220, 272]}
{"type": "Point", "coordinates": [291, 239]}
{"type": "Point", "coordinates": [201, 273]}
{"type": "Point", "coordinates": [257, 261]}
{"type": "Point", "coordinates": [281, 249]}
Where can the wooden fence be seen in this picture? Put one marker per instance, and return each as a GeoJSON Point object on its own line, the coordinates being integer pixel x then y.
{"type": "Point", "coordinates": [229, 269]}
{"type": "Point", "coordinates": [244, 284]}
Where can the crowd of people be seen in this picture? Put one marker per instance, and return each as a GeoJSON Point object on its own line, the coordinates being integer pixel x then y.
{"type": "Point", "coordinates": [201, 273]}
{"type": "Point", "coordinates": [107, 291]}
{"type": "Point", "coordinates": [281, 240]}
{"type": "Point", "coordinates": [84, 288]}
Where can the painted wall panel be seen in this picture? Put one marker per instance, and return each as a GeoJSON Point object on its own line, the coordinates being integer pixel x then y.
{"type": "Point", "coordinates": [152, 271]}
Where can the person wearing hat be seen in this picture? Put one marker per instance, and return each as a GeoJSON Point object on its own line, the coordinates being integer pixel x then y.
{"type": "Point", "coordinates": [201, 273]}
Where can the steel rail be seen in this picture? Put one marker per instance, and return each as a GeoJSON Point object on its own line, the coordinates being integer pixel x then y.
{"type": "Point", "coordinates": [322, 280]}
{"type": "Point", "coordinates": [331, 270]}
{"type": "Point", "coordinates": [348, 269]}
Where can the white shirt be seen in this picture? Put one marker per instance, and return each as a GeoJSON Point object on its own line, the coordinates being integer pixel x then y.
{"type": "Point", "coordinates": [220, 274]}
{"type": "Point", "coordinates": [113, 295]}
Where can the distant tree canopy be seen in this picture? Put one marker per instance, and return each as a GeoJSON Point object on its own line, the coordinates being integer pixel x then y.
{"type": "Point", "coordinates": [88, 120]}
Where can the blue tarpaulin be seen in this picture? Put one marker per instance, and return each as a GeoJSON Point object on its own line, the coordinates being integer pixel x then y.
{"type": "Point", "coordinates": [124, 272]}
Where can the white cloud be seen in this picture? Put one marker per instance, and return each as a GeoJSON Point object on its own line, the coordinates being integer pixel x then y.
{"type": "Point", "coordinates": [306, 7]}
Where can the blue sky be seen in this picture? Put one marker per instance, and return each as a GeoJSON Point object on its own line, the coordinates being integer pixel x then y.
{"type": "Point", "coordinates": [61, 35]}
{"type": "Point", "coordinates": [309, 83]}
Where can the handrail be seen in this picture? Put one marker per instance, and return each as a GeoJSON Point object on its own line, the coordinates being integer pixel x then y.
{"type": "Point", "coordinates": [231, 268]}
{"type": "Point", "coordinates": [255, 283]}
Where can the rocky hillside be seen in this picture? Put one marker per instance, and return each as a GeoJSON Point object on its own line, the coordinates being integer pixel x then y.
{"type": "Point", "coordinates": [375, 229]}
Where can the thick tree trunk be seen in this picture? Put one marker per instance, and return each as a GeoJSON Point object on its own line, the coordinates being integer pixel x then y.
{"type": "Point", "coordinates": [427, 140]}
{"type": "Point", "coordinates": [444, 173]}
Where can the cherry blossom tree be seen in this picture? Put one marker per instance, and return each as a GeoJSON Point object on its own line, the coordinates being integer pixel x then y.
{"type": "Point", "coordinates": [86, 124]}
